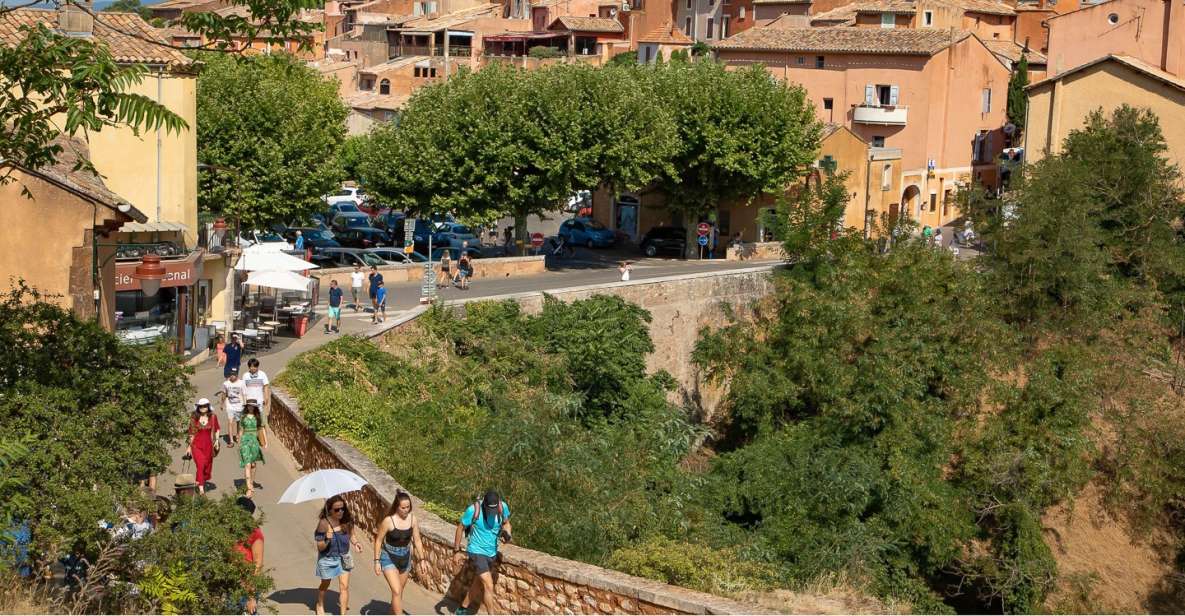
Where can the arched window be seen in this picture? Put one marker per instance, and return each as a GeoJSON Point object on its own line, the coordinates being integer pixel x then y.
{"type": "Point", "coordinates": [385, 86]}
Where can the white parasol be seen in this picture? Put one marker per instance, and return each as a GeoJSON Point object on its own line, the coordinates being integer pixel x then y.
{"type": "Point", "coordinates": [286, 280]}
{"type": "Point", "coordinates": [322, 484]}
{"type": "Point", "coordinates": [269, 260]}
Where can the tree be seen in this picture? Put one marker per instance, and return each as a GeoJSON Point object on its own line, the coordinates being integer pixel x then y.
{"type": "Point", "coordinates": [740, 134]}
{"type": "Point", "coordinates": [97, 411]}
{"type": "Point", "coordinates": [1018, 101]}
{"type": "Point", "coordinates": [93, 93]}
{"type": "Point", "coordinates": [350, 155]}
{"type": "Point", "coordinates": [129, 6]}
{"type": "Point", "coordinates": [504, 141]}
{"type": "Point", "coordinates": [279, 126]}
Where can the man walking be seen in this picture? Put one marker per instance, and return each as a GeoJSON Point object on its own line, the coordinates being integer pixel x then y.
{"type": "Point", "coordinates": [375, 280]}
{"type": "Point", "coordinates": [257, 385]}
{"type": "Point", "coordinates": [335, 308]}
{"type": "Point", "coordinates": [380, 303]}
{"type": "Point", "coordinates": [234, 392]}
{"type": "Point", "coordinates": [485, 520]}
{"type": "Point", "coordinates": [356, 278]}
{"type": "Point", "coordinates": [234, 355]}
{"type": "Point", "coordinates": [299, 243]}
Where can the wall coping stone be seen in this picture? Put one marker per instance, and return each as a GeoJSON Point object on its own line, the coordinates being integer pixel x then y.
{"type": "Point", "coordinates": [403, 266]}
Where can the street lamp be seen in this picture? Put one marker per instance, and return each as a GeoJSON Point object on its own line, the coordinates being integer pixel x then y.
{"type": "Point", "coordinates": [150, 273]}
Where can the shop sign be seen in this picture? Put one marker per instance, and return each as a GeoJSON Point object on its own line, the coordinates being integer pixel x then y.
{"type": "Point", "coordinates": [178, 273]}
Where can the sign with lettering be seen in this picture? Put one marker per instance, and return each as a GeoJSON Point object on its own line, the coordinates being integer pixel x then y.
{"type": "Point", "coordinates": [178, 273]}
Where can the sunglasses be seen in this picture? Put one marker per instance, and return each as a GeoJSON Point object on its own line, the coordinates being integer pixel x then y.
{"type": "Point", "coordinates": [338, 509]}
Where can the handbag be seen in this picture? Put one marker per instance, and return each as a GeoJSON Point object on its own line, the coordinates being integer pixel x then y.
{"type": "Point", "coordinates": [348, 561]}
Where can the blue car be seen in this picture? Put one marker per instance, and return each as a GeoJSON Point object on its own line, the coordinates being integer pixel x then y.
{"type": "Point", "coordinates": [586, 232]}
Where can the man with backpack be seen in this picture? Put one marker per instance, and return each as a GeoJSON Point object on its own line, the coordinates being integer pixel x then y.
{"type": "Point", "coordinates": [484, 522]}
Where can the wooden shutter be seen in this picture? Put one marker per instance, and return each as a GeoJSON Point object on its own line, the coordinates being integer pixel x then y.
{"type": "Point", "coordinates": [870, 95]}
{"type": "Point", "coordinates": [893, 91]}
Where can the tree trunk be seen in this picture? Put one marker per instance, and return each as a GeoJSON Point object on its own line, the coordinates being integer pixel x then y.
{"type": "Point", "coordinates": [520, 231]}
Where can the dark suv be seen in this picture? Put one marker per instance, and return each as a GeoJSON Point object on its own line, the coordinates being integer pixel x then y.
{"type": "Point", "coordinates": [664, 239]}
{"type": "Point", "coordinates": [362, 237]}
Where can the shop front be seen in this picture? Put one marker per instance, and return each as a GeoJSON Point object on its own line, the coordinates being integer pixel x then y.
{"type": "Point", "coordinates": [145, 315]}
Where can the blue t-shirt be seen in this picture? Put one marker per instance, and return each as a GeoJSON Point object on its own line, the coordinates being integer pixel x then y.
{"type": "Point", "coordinates": [483, 537]}
{"type": "Point", "coordinates": [381, 295]}
{"type": "Point", "coordinates": [299, 242]}
{"type": "Point", "coordinates": [234, 355]}
{"type": "Point", "coordinates": [335, 296]}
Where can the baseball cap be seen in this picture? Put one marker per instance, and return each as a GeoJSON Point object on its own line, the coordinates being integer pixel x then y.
{"type": "Point", "coordinates": [231, 371]}
{"type": "Point", "coordinates": [491, 503]}
{"type": "Point", "coordinates": [203, 402]}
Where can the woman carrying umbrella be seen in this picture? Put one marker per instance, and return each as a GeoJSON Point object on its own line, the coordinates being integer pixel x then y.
{"type": "Point", "coordinates": [334, 535]}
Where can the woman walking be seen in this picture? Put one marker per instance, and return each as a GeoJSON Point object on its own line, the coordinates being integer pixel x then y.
{"type": "Point", "coordinates": [446, 263]}
{"type": "Point", "coordinates": [204, 433]}
{"type": "Point", "coordinates": [253, 434]}
{"type": "Point", "coordinates": [334, 534]}
{"type": "Point", "coordinates": [398, 533]}
{"type": "Point", "coordinates": [464, 270]}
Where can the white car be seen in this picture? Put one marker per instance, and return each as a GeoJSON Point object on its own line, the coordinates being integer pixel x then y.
{"type": "Point", "coordinates": [350, 194]}
{"type": "Point", "coordinates": [251, 238]}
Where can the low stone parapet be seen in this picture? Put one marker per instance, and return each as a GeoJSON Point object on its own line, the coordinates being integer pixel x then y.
{"type": "Point", "coordinates": [755, 251]}
{"type": "Point", "coordinates": [497, 267]}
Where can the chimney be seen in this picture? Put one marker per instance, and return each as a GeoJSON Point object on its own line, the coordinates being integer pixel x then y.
{"type": "Point", "coordinates": [74, 21]}
{"type": "Point", "coordinates": [1173, 46]}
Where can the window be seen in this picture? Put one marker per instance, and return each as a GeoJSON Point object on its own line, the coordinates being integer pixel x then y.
{"type": "Point", "coordinates": [367, 84]}
{"type": "Point", "coordinates": [987, 100]}
{"type": "Point", "coordinates": [385, 86]}
{"type": "Point", "coordinates": [888, 20]}
{"type": "Point", "coordinates": [933, 201]}
{"type": "Point", "coordinates": [1113, 18]}
{"type": "Point", "coordinates": [881, 95]}
{"type": "Point", "coordinates": [689, 5]}
{"type": "Point", "coordinates": [828, 104]}
{"type": "Point", "coordinates": [878, 141]}
{"type": "Point", "coordinates": [688, 27]}
{"type": "Point", "coordinates": [741, 14]}
{"type": "Point", "coordinates": [887, 177]}
{"type": "Point", "coordinates": [928, 18]}
{"type": "Point", "coordinates": [801, 59]}
{"type": "Point", "coordinates": [980, 147]}
{"type": "Point", "coordinates": [947, 197]}
{"type": "Point", "coordinates": [819, 62]}
{"type": "Point", "coordinates": [724, 26]}
{"type": "Point", "coordinates": [711, 27]}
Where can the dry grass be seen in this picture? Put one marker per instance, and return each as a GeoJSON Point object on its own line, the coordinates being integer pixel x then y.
{"type": "Point", "coordinates": [832, 594]}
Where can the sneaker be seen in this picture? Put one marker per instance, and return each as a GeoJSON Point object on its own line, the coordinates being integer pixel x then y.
{"type": "Point", "coordinates": [460, 611]}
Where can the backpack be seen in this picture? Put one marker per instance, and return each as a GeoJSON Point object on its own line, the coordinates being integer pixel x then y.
{"type": "Point", "coordinates": [477, 513]}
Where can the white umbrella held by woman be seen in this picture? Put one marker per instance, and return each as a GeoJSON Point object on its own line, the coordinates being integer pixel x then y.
{"type": "Point", "coordinates": [322, 484]}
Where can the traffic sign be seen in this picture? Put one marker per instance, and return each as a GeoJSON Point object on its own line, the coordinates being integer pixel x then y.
{"type": "Point", "coordinates": [409, 231]}
{"type": "Point", "coordinates": [536, 240]}
{"type": "Point", "coordinates": [703, 240]}
{"type": "Point", "coordinates": [703, 229]}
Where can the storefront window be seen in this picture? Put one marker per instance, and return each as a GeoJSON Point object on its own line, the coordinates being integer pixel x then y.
{"type": "Point", "coordinates": [144, 320]}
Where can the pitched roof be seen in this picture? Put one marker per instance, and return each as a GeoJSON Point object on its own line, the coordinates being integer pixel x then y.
{"type": "Point", "coordinates": [1011, 50]}
{"type": "Point", "coordinates": [990, 7]}
{"type": "Point", "coordinates": [1128, 61]}
{"type": "Point", "coordinates": [666, 34]}
{"type": "Point", "coordinates": [589, 24]}
{"type": "Point", "coordinates": [424, 23]}
{"type": "Point", "coordinates": [82, 181]}
{"type": "Point", "coordinates": [846, 15]}
{"type": "Point", "coordinates": [369, 101]}
{"type": "Point", "coordinates": [130, 38]}
{"type": "Point", "coordinates": [889, 41]}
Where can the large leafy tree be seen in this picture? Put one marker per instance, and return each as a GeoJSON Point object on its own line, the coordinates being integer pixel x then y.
{"type": "Point", "coordinates": [741, 134]}
{"type": "Point", "coordinates": [270, 129]}
{"type": "Point", "coordinates": [129, 6]}
{"type": "Point", "coordinates": [505, 141]}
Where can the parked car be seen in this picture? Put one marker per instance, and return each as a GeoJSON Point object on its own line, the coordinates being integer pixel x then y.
{"type": "Point", "coordinates": [423, 230]}
{"type": "Point", "coordinates": [664, 239]}
{"type": "Point", "coordinates": [355, 220]}
{"type": "Point", "coordinates": [348, 257]}
{"type": "Point", "coordinates": [347, 194]}
{"type": "Point", "coordinates": [313, 237]}
{"type": "Point", "coordinates": [397, 256]}
{"type": "Point", "coordinates": [251, 238]}
{"type": "Point", "coordinates": [387, 220]}
{"type": "Point", "coordinates": [362, 237]}
{"type": "Point", "coordinates": [586, 232]}
{"type": "Point", "coordinates": [453, 234]}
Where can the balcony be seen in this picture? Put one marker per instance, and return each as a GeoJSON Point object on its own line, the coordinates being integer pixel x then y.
{"type": "Point", "coordinates": [880, 114]}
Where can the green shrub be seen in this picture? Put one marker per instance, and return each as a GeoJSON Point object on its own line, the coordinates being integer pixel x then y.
{"type": "Point", "coordinates": [545, 52]}
{"type": "Point", "coordinates": [720, 571]}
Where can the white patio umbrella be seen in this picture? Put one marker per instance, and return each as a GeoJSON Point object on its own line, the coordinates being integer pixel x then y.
{"type": "Point", "coordinates": [270, 260]}
{"type": "Point", "coordinates": [322, 484]}
{"type": "Point", "coordinates": [286, 280]}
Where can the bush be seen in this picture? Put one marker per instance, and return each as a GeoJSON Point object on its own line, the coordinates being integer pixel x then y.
{"type": "Point", "coordinates": [720, 571]}
{"type": "Point", "coordinates": [545, 52]}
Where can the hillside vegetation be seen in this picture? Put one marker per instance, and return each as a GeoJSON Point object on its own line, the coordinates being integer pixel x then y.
{"type": "Point", "coordinates": [912, 426]}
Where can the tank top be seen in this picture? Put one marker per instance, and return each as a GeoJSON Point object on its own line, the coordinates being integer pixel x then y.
{"type": "Point", "coordinates": [396, 537]}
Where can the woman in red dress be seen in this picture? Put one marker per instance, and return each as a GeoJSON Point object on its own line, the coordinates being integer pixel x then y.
{"type": "Point", "coordinates": [204, 433]}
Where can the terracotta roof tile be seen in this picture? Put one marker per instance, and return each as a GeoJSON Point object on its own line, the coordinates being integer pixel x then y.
{"type": "Point", "coordinates": [895, 41]}
{"type": "Point", "coordinates": [990, 7]}
{"type": "Point", "coordinates": [589, 24]}
{"type": "Point", "coordinates": [666, 34]}
{"type": "Point", "coordinates": [1013, 50]}
{"type": "Point", "coordinates": [123, 33]}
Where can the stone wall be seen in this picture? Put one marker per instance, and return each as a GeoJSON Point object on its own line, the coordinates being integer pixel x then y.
{"type": "Point", "coordinates": [679, 307]}
{"type": "Point", "coordinates": [499, 267]}
{"type": "Point", "coordinates": [528, 582]}
{"type": "Point", "coordinates": [755, 251]}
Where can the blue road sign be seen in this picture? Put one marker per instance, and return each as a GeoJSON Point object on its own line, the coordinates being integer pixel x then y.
{"type": "Point", "coordinates": [703, 240]}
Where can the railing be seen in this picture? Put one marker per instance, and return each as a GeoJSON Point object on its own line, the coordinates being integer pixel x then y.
{"type": "Point", "coordinates": [880, 114]}
{"type": "Point", "coordinates": [414, 50]}
{"type": "Point", "coordinates": [460, 52]}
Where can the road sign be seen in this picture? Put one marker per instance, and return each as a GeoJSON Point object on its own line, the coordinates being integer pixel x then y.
{"type": "Point", "coordinates": [409, 231]}
{"type": "Point", "coordinates": [428, 288]}
{"type": "Point", "coordinates": [536, 240]}
{"type": "Point", "coordinates": [703, 240]}
{"type": "Point", "coordinates": [703, 229]}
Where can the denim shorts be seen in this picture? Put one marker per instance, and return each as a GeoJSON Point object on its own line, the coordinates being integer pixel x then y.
{"type": "Point", "coordinates": [482, 564]}
{"type": "Point", "coordinates": [335, 312]}
{"type": "Point", "coordinates": [329, 567]}
{"type": "Point", "coordinates": [392, 557]}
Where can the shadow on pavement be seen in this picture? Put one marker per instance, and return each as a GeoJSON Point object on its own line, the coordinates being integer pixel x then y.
{"type": "Point", "coordinates": [306, 597]}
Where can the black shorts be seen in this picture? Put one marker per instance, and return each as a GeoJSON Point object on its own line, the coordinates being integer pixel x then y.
{"type": "Point", "coordinates": [482, 564]}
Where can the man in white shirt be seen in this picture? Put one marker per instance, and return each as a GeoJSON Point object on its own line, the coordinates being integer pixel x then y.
{"type": "Point", "coordinates": [356, 278]}
{"type": "Point", "coordinates": [258, 386]}
{"type": "Point", "coordinates": [234, 392]}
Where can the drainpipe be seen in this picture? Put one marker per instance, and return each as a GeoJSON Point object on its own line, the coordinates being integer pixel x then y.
{"type": "Point", "coordinates": [160, 81]}
{"type": "Point", "coordinates": [867, 192]}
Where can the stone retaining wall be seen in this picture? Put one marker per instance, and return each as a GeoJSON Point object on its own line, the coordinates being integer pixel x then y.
{"type": "Point", "coordinates": [499, 267]}
{"type": "Point", "coordinates": [755, 251]}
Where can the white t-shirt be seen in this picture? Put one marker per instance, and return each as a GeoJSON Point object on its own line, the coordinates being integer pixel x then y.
{"type": "Point", "coordinates": [356, 279]}
{"type": "Point", "coordinates": [255, 384]}
{"type": "Point", "coordinates": [235, 394]}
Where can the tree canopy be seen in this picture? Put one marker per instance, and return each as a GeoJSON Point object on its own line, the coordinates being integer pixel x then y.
{"type": "Point", "coordinates": [271, 128]}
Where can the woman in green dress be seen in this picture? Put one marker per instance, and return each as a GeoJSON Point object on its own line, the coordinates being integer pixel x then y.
{"type": "Point", "coordinates": [253, 437]}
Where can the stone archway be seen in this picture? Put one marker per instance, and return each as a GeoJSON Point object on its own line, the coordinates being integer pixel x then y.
{"type": "Point", "coordinates": [910, 199]}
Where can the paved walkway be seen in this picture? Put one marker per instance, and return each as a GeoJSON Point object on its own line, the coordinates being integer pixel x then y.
{"type": "Point", "coordinates": [288, 529]}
